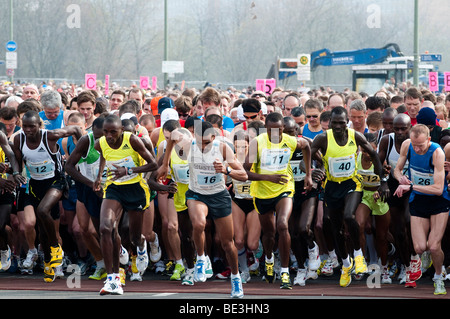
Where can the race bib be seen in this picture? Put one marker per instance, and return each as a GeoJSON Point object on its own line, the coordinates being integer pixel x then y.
{"type": "Point", "coordinates": [299, 175]}
{"type": "Point", "coordinates": [127, 162]}
{"type": "Point", "coordinates": [369, 178]}
{"type": "Point", "coordinates": [423, 179]}
{"type": "Point", "coordinates": [342, 166]}
{"type": "Point", "coordinates": [41, 170]}
{"type": "Point", "coordinates": [206, 176]}
{"type": "Point", "coordinates": [181, 172]}
{"type": "Point", "coordinates": [242, 189]}
{"type": "Point", "coordinates": [275, 159]}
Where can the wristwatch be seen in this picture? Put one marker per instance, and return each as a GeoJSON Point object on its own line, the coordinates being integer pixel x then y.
{"type": "Point", "coordinates": [130, 170]}
{"type": "Point", "coordinates": [384, 179]}
{"type": "Point", "coordinates": [228, 170]}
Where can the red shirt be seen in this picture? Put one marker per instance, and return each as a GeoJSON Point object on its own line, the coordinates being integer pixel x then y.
{"type": "Point", "coordinates": [158, 122]}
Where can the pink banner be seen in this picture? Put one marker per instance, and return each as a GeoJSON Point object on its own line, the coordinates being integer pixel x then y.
{"type": "Point", "coordinates": [447, 81]}
{"type": "Point", "coordinates": [144, 82]}
{"type": "Point", "coordinates": [90, 81]}
{"type": "Point", "coordinates": [106, 85]}
{"type": "Point", "coordinates": [266, 85]}
{"type": "Point", "coordinates": [433, 81]}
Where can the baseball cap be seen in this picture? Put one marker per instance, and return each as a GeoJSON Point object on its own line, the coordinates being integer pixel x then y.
{"type": "Point", "coordinates": [165, 103]}
{"type": "Point", "coordinates": [169, 114]}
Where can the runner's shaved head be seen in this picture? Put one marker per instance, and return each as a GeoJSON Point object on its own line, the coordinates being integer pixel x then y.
{"type": "Point", "coordinates": [402, 118]}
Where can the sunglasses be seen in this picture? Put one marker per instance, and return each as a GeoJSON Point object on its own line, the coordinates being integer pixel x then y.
{"type": "Point", "coordinates": [312, 116]}
{"type": "Point", "coordinates": [251, 117]}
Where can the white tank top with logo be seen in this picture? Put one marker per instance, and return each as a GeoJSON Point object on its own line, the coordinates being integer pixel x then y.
{"type": "Point", "coordinates": [203, 178]}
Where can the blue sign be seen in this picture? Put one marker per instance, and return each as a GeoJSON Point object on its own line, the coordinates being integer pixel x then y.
{"type": "Point", "coordinates": [11, 46]}
{"type": "Point", "coordinates": [431, 57]}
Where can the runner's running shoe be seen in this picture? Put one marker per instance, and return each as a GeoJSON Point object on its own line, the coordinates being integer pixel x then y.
{"type": "Point", "coordinates": [112, 286]}
{"type": "Point", "coordinates": [177, 272]}
{"type": "Point", "coordinates": [346, 277]}
{"type": "Point", "coordinates": [439, 286]}
{"type": "Point", "coordinates": [142, 258]}
{"type": "Point", "coordinates": [5, 259]}
{"type": "Point", "coordinates": [155, 250]}
{"type": "Point", "coordinates": [236, 288]}
{"type": "Point", "coordinates": [270, 274]}
{"type": "Point", "coordinates": [49, 273]}
{"type": "Point", "coordinates": [188, 279]}
{"type": "Point", "coordinates": [57, 256]}
{"type": "Point", "coordinates": [199, 274]}
{"type": "Point", "coordinates": [360, 265]}
{"type": "Point", "coordinates": [285, 281]}
{"type": "Point", "coordinates": [99, 274]}
{"type": "Point", "coordinates": [415, 268]}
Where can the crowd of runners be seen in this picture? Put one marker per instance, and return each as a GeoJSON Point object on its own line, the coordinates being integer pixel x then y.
{"type": "Point", "coordinates": [228, 184]}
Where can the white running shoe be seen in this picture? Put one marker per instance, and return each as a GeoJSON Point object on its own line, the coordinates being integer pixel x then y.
{"type": "Point", "coordinates": [5, 259]}
{"type": "Point", "coordinates": [236, 288]}
{"type": "Point", "coordinates": [199, 273]}
{"type": "Point", "coordinates": [385, 278]}
{"type": "Point", "coordinates": [142, 258]}
{"type": "Point", "coordinates": [30, 260]}
{"type": "Point", "coordinates": [300, 279]}
{"type": "Point", "coordinates": [59, 273]}
{"type": "Point", "coordinates": [155, 250]}
{"type": "Point", "coordinates": [112, 286]}
{"type": "Point", "coordinates": [208, 270]}
{"type": "Point", "coordinates": [314, 258]}
{"type": "Point", "coordinates": [188, 279]}
{"type": "Point", "coordinates": [135, 276]}
{"type": "Point", "coordinates": [245, 276]}
{"type": "Point", "coordinates": [124, 256]}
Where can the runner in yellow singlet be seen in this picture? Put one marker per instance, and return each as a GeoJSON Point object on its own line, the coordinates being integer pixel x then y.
{"type": "Point", "coordinates": [338, 147]}
{"type": "Point", "coordinates": [125, 189]}
{"type": "Point", "coordinates": [273, 188]}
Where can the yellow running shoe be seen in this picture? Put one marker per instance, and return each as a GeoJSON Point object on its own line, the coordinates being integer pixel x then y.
{"type": "Point", "coordinates": [177, 272]}
{"type": "Point", "coordinates": [346, 277]}
{"type": "Point", "coordinates": [122, 276]}
{"type": "Point", "coordinates": [133, 264]}
{"type": "Point", "coordinates": [270, 276]}
{"type": "Point", "coordinates": [360, 265]}
{"type": "Point", "coordinates": [49, 272]}
{"type": "Point", "coordinates": [57, 256]}
{"type": "Point", "coordinates": [285, 281]}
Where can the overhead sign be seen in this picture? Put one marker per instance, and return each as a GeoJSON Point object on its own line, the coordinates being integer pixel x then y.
{"type": "Point", "coordinates": [431, 57]}
{"type": "Point", "coordinates": [304, 67]}
{"type": "Point", "coordinates": [288, 65]}
{"type": "Point", "coordinates": [172, 67]}
{"type": "Point", "coordinates": [11, 46]}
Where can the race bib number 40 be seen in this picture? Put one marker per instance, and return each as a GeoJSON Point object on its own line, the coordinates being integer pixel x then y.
{"type": "Point", "coordinates": [342, 166]}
